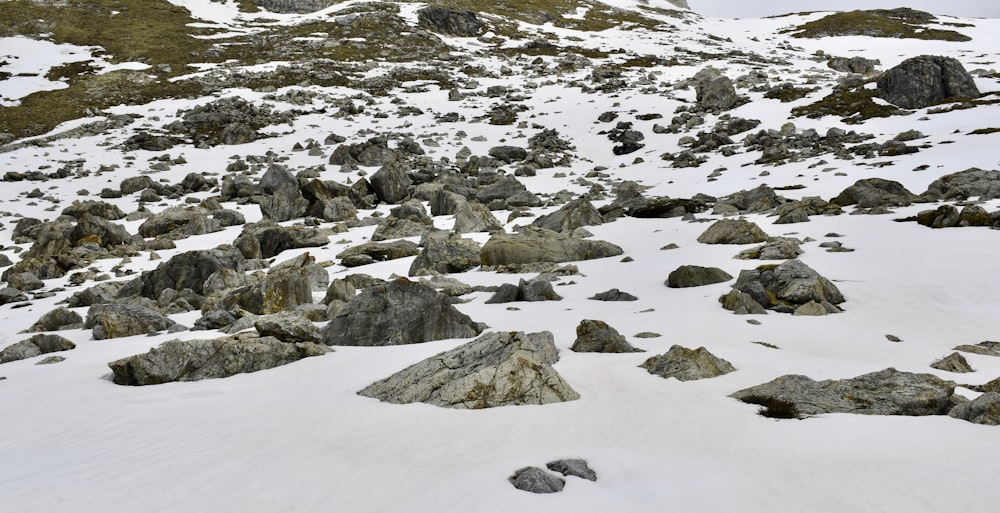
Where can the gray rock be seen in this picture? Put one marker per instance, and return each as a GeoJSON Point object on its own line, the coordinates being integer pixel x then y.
{"type": "Point", "coordinates": [497, 369]}
{"type": "Point", "coordinates": [444, 253]}
{"type": "Point", "coordinates": [266, 239]}
{"type": "Point", "coordinates": [455, 22]}
{"type": "Point", "coordinates": [887, 392]}
{"type": "Point", "coordinates": [613, 295]}
{"type": "Point", "coordinates": [799, 211]}
{"type": "Point", "coordinates": [814, 309]}
{"type": "Point", "coordinates": [875, 192]}
{"type": "Point", "coordinates": [858, 65]}
{"type": "Point", "coordinates": [505, 188]}
{"type": "Point", "coordinates": [927, 80]}
{"type": "Point", "coordinates": [51, 360]}
{"type": "Point", "coordinates": [741, 303]}
{"type": "Point", "coordinates": [533, 245]}
{"type": "Point", "coordinates": [696, 276]}
{"type": "Point", "coordinates": [536, 289]}
{"type": "Point", "coordinates": [98, 230]}
{"type": "Point", "coordinates": [508, 154]}
{"type": "Point", "coordinates": [287, 327]}
{"type": "Point", "coordinates": [536, 480]}
{"type": "Point", "coordinates": [278, 177]}
{"type": "Point", "coordinates": [733, 231]}
{"type": "Point", "coordinates": [193, 360]}
{"type": "Point", "coordinates": [226, 279]}
{"type": "Point", "coordinates": [11, 295]}
{"type": "Point", "coordinates": [57, 320]}
{"type": "Point", "coordinates": [181, 221]}
{"type": "Point", "coordinates": [379, 251]}
{"type": "Point", "coordinates": [34, 346]}
{"type": "Point", "coordinates": [118, 320]}
{"type": "Point", "coordinates": [284, 204]}
{"type": "Point", "coordinates": [574, 467]}
{"type": "Point", "coordinates": [971, 183]}
{"type": "Point", "coordinates": [94, 208]}
{"type": "Point", "coordinates": [986, 348]}
{"type": "Point", "coordinates": [392, 183]}
{"type": "Point", "coordinates": [954, 362]}
{"type": "Point", "coordinates": [687, 364]}
{"type": "Point", "coordinates": [714, 91]}
{"type": "Point", "coordinates": [282, 289]}
{"type": "Point", "coordinates": [594, 336]}
{"type": "Point", "coordinates": [188, 270]}
{"type": "Point", "coordinates": [759, 199]}
{"type": "Point", "coordinates": [25, 282]}
{"type": "Point", "coordinates": [787, 285]}
{"type": "Point", "coordinates": [395, 228]}
{"type": "Point", "coordinates": [569, 217]}
{"type": "Point", "coordinates": [776, 248]}
{"type": "Point", "coordinates": [984, 409]}
{"type": "Point", "coordinates": [473, 216]}
{"type": "Point", "coordinates": [214, 320]}
{"type": "Point", "coordinates": [395, 313]}
{"type": "Point", "coordinates": [105, 292]}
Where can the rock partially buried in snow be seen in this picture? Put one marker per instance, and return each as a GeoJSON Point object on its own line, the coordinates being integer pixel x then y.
{"type": "Point", "coordinates": [954, 362]}
{"type": "Point", "coordinates": [536, 480]}
{"type": "Point", "coordinates": [497, 369]}
{"type": "Point", "coordinates": [984, 409]}
{"type": "Point", "coordinates": [34, 346]}
{"type": "Point", "coordinates": [594, 336]}
{"type": "Point", "coordinates": [687, 364]}
{"type": "Point", "coordinates": [785, 287]}
{"type": "Point", "coordinates": [733, 231]}
{"type": "Point", "coordinates": [532, 245]}
{"type": "Point", "coordinates": [115, 320]}
{"type": "Point", "coordinates": [574, 467]}
{"type": "Point", "coordinates": [696, 276]}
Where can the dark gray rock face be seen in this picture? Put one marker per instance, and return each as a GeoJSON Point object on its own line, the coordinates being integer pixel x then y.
{"type": "Point", "coordinates": [574, 467]}
{"type": "Point", "coordinates": [282, 289]}
{"type": "Point", "coordinates": [267, 239]}
{"type": "Point", "coordinates": [927, 80]}
{"type": "Point", "coordinates": [887, 392]}
{"type": "Point", "coordinates": [117, 320]}
{"type": "Point", "coordinates": [34, 346]}
{"type": "Point", "coordinates": [984, 409]}
{"type": "Point", "coordinates": [758, 199]}
{"type": "Point", "coordinates": [572, 215]}
{"type": "Point", "coordinates": [392, 183]}
{"type": "Point", "coordinates": [287, 327]}
{"type": "Point", "coordinates": [696, 276]}
{"type": "Point", "coordinates": [473, 216]}
{"type": "Point", "coordinates": [188, 270]}
{"type": "Point", "coordinates": [455, 22]}
{"type": "Point", "coordinates": [733, 231]}
{"type": "Point", "coordinates": [57, 320]}
{"type": "Point", "coordinates": [714, 91]}
{"type": "Point", "coordinates": [741, 303]}
{"type": "Point", "coordinates": [594, 336]}
{"type": "Point", "coordinates": [193, 360]}
{"type": "Point", "coordinates": [536, 480]}
{"type": "Point", "coordinates": [875, 192]}
{"type": "Point", "coordinates": [532, 245]}
{"type": "Point", "coordinates": [613, 295]}
{"type": "Point", "coordinates": [536, 289]}
{"type": "Point", "coordinates": [687, 364]}
{"type": "Point", "coordinates": [786, 286]}
{"type": "Point", "coordinates": [445, 252]}
{"type": "Point", "coordinates": [971, 183]}
{"type": "Point", "coordinates": [395, 313]}
{"type": "Point", "coordinates": [497, 369]}
{"type": "Point", "coordinates": [181, 221]}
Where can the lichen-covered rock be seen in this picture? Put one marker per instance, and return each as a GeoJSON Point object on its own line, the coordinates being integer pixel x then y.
{"type": "Point", "coordinates": [473, 216]}
{"type": "Point", "coordinates": [984, 409]}
{"type": "Point", "coordinates": [971, 183]}
{"type": "Point", "coordinates": [875, 192]}
{"type": "Point", "coordinates": [696, 276]}
{"type": "Point", "coordinates": [569, 217]}
{"type": "Point", "coordinates": [533, 245]}
{"type": "Point", "coordinates": [687, 364]}
{"type": "Point", "coordinates": [733, 231]}
{"type": "Point", "coordinates": [776, 248]}
{"type": "Point", "coordinates": [118, 320]}
{"type": "Point", "coordinates": [593, 336]}
{"type": "Point", "coordinates": [887, 392]}
{"type": "Point", "coordinates": [180, 221]}
{"type": "Point", "coordinates": [34, 346]}
{"type": "Point", "coordinates": [741, 303]}
{"type": "Point", "coordinates": [786, 286]}
{"type": "Point", "coordinates": [94, 208]}
{"type": "Point", "coordinates": [193, 360]}
{"type": "Point", "coordinates": [954, 362]}
{"type": "Point", "coordinates": [444, 253]}
{"type": "Point", "coordinates": [61, 318]}
{"type": "Point", "coordinates": [287, 327]}
{"type": "Point", "coordinates": [927, 80]}
{"type": "Point", "coordinates": [395, 313]}
{"type": "Point", "coordinates": [497, 369]}
{"type": "Point", "coordinates": [188, 270]}
{"type": "Point", "coordinates": [282, 289]}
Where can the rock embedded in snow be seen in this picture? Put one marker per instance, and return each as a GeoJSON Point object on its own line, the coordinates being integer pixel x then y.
{"type": "Point", "coordinates": [971, 183]}
{"type": "Point", "coordinates": [786, 286]}
{"type": "Point", "coordinates": [395, 313]}
{"type": "Point", "coordinates": [34, 346]}
{"type": "Point", "coordinates": [536, 480]}
{"type": "Point", "coordinates": [282, 288]}
{"type": "Point", "coordinates": [443, 253]}
{"type": "Point", "coordinates": [61, 318]}
{"type": "Point", "coordinates": [613, 295]}
{"type": "Point", "coordinates": [535, 289]}
{"type": "Point", "coordinates": [593, 336]}
{"type": "Point", "coordinates": [887, 392]}
{"type": "Point", "coordinates": [954, 362]}
{"type": "Point", "coordinates": [927, 80]}
{"type": "Point", "coordinates": [985, 348]}
{"type": "Point", "coordinates": [370, 252]}
{"type": "Point", "coordinates": [453, 22]}
{"type": "Point", "coordinates": [714, 91]}
{"type": "Point", "coordinates": [193, 360]}
{"type": "Point", "coordinates": [696, 276]}
{"type": "Point", "coordinates": [687, 364]}
{"type": "Point", "coordinates": [188, 270]}
{"type": "Point", "coordinates": [119, 320]}
{"type": "Point", "coordinates": [575, 214]}
{"type": "Point", "coordinates": [984, 409]}
{"type": "Point", "coordinates": [573, 467]}
{"type": "Point", "coordinates": [496, 369]}
{"type": "Point", "coordinates": [533, 245]}
{"type": "Point", "coordinates": [287, 327]}
{"type": "Point", "coordinates": [776, 248]}
{"type": "Point", "coordinates": [875, 192]}
{"type": "Point", "coordinates": [733, 231]}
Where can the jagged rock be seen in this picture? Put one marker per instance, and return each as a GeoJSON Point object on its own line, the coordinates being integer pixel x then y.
{"type": "Point", "coordinates": [94, 208]}
{"type": "Point", "coordinates": [537, 289]}
{"type": "Point", "coordinates": [496, 369]}
{"type": "Point", "coordinates": [287, 327]}
{"type": "Point", "coordinates": [887, 392]}
{"type": "Point", "coordinates": [188, 270]}
{"type": "Point", "coordinates": [661, 207]}
{"type": "Point", "coordinates": [986, 348]}
{"type": "Point", "coordinates": [455, 22]}
{"type": "Point", "coordinates": [799, 211]}
{"type": "Point", "coordinates": [954, 362]}
{"type": "Point", "coordinates": [613, 295]}
{"type": "Point", "coordinates": [284, 204]}
{"type": "Point", "coordinates": [184, 221]}
{"type": "Point", "coordinates": [339, 290]}
{"type": "Point", "coordinates": [569, 217]}
{"type": "Point", "coordinates": [100, 231]}
{"type": "Point", "coordinates": [473, 216]}
{"type": "Point", "coordinates": [395, 313]}
{"type": "Point", "coordinates": [984, 409]}
{"type": "Point", "coordinates": [57, 320]}
{"type": "Point", "coordinates": [392, 183]}
{"type": "Point", "coordinates": [733, 231]}
{"type": "Point", "coordinates": [714, 91]}
{"type": "Point", "coordinates": [278, 177]}
{"type": "Point", "coordinates": [266, 239]}
{"type": "Point", "coordinates": [759, 199]}
{"type": "Point", "coordinates": [741, 303]}
{"type": "Point", "coordinates": [594, 336]}
{"type": "Point", "coordinates": [696, 276]}
{"type": "Point", "coordinates": [283, 288]}
{"type": "Point", "coordinates": [226, 279]}
{"type": "Point", "coordinates": [576, 468]}
{"type": "Point", "coordinates": [776, 248]}
{"type": "Point", "coordinates": [814, 309]}
{"type": "Point", "coordinates": [927, 80]}
{"type": "Point", "coordinates": [875, 192]}
{"type": "Point", "coordinates": [370, 252]}
{"type": "Point", "coordinates": [120, 320]}
{"type": "Point", "coordinates": [443, 253]}
{"type": "Point", "coordinates": [532, 245]}
{"type": "Point", "coordinates": [193, 360]}
{"type": "Point", "coordinates": [687, 364]}
{"type": "Point", "coordinates": [34, 346]}
{"type": "Point", "coordinates": [971, 183]}
{"type": "Point", "coordinates": [508, 154]}
{"type": "Point", "coordinates": [536, 480]}
{"type": "Point", "coordinates": [785, 286]}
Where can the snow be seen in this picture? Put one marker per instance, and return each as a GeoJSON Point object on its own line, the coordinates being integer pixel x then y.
{"type": "Point", "coordinates": [298, 438]}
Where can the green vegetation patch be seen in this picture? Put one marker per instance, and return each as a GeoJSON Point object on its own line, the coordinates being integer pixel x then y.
{"type": "Point", "coordinates": [853, 106]}
{"type": "Point", "coordinates": [894, 23]}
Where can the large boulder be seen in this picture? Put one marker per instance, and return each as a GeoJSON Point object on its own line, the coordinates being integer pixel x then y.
{"type": "Point", "coordinates": [444, 253]}
{"type": "Point", "coordinates": [120, 320]}
{"type": "Point", "coordinates": [886, 392]}
{"type": "Point", "coordinates": [187, 270]}
{"type": "Point", "coordinates": [733, 231]}
{"type": "Point", "coordinates": [193, 360]}
{"type": "Point", "coordinates": [395, 313]}
{"type": "Point", "coordinates": [593, 336]}
{"type": "Point", "coordinates": [714, 91]}
{"type": "Point", "coordinates": [266, 239]}
{"type": "Point", "coordinates": [569, 217]}
{"type": "Point", "coordinates": [875, 192]}
{"type": "Point", "coordinates": [283, 288]}
{"type": "Point", "coordinates": [180, 222]}
{"type": "Point", "coordinates": [687, 364]}
{"type": "Point", "coordinates": [287, 327]}
{"type": "Point", "coordinates": [787, 286]}
{"type": "Point", "coordinates": [533, 244]}
{"type": "Point", "coordinates": [392, 183]}
{"type": "Point", "coordinates": [984, 409]}
{"type": "Point", "coordinates": [696, 276]}
{"type": "Point", "coordinates": [94, 208]}
{"type": "Point", "coordinates": [927, 80]}
{"type": "Point", "coordinates": [34, 346]}
{"type": "Point", "coordinates": [473, 216]}
{"type": "Point", "coordinates": [497, 369]}
{"type": "Point", "coordinates": [535, 289]}
{"type": "Point", "coordinates": [61, 318]}
{"type": "Point", "coordinates": [971, 183]}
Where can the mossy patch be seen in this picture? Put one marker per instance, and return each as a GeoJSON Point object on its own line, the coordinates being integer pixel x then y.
{"type": "Point", "coordinates": [893, 23]}
{"type": "Point", "coordinates": [853, 106]}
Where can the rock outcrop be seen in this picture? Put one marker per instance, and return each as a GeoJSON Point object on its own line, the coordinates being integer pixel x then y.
{"type": "Point", "coordinates": [593, 336]}
{"type": "Point", "coordinates": [787, 286]}
{"type": "Point", "coordinates": [984, 409]}
{"type": "Point", "coordinates": [497, 369]}
{"type": "Point", "coordinates": [927, 80]}
{"type": "Point", "coordinates": [687, 364]}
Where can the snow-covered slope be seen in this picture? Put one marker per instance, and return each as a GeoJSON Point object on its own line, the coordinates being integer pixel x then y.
{"type": "Point", "coordinates": [299, 438]}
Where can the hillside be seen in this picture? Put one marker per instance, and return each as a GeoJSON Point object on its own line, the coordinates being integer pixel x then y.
{"type": "Point", "coordinates": [271, 255]}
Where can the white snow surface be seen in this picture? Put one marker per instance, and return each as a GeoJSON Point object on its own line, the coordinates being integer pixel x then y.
{"type": "Point", "coordinates": [298, 438]}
